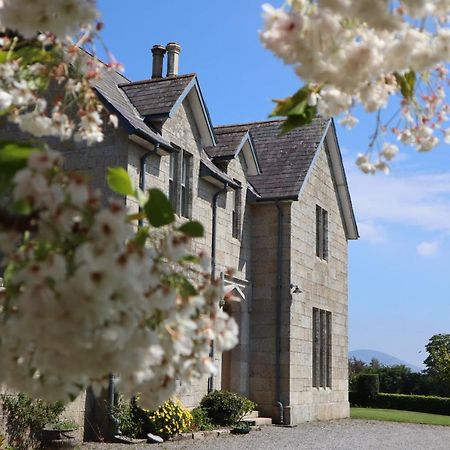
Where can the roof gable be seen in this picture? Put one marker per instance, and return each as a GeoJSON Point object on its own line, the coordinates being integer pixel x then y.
{"type": "Point", "coordinates": [160, 98]}
{"type": "Point", "coordinates": [232, 143]}
{"type": "Point", "coordinates": [287, 160]}
{"type": "Point", "coordinates": [340, 183]}
{"type": "Point", "coordinates": [284, 159]}
{"type": "Point", "coordinates": [118, 103]}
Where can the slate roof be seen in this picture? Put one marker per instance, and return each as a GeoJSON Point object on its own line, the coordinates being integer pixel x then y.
{"type": "Point", "coordinates": [284, 160]}
{"type": "Point", "coordinates": [118, 103]}
{"type": "Point", "coordinates": [157, 97]}
{"type": "Point", "coordinates": [228, 141]}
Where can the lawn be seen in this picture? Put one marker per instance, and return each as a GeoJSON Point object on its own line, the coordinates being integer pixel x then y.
{"type": "Point", "coordinates": [393, 415]}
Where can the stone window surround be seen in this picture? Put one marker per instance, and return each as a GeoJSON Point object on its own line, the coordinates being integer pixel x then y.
{"type": "Point", "coordinates": [236, 213]}
{"type": "Point", "coordinates": [322, 233]}
{"type": "Point", "coordinates": [181, 181]}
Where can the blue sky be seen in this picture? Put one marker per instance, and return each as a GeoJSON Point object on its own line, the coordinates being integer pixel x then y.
{"type": "Point", "coordinates": [399, 271]}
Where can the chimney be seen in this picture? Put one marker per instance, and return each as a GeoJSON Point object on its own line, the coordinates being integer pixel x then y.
{"type": "Point", "coordinates": [173, 58]}
{"type": "Point", "coordinates": [158, 52]}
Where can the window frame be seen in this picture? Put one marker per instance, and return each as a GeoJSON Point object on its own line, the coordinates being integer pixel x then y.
{"type": "Point", "coordinates": [180, 175]}
{"type": "Point", "coordinates": [185, 181]}
{"type": "Point", "coordinates": [322, 233]}
{"type": "Point", "coordinates": [236, 214]}
{"type": "Point", "coordinates": [173, 178]}
{"type": "Point", "coordinates": [321, 348]}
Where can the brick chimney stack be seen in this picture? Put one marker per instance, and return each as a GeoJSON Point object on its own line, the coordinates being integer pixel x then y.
{"type": "Point", "coordinates": [158, 52]}
{"type": "Point", "coordinates": [173, 58]}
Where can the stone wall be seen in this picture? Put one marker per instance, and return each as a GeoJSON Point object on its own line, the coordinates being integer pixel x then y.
{"type": "Point", "coordinates": [324, 286]}
{"type": "Point", "coordinates": [263, 316]}
{"type": "Point", "coordinates": [231, 253]}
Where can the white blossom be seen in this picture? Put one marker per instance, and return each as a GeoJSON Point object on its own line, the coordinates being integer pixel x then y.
{"type": "Point", "coordinates": [368, 52]}
{"type": "Point", "coordinates": [107, 305]}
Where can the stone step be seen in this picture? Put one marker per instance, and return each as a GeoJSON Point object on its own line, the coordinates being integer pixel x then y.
{"type": "Point", "coordinates": [251, 415]}
{"type": "Point", "coordinates": [258, 421]}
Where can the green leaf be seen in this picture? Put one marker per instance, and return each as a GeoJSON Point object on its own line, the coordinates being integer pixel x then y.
{"type": "Point", "coordinates": [158, 209]}
{"type": "Point", "coordinates": [186, 288]}
{"type": "Point", "coordinates": [191, 259]}
{"type": "Point", "coordinates": [119, 181]}
{"type": "Point", "coordinates": [13, 157]}
{"type": "Point", "coordinates": [141, 236]}
{"type": "Point", "coordinates": [193, 229]}
{"type": "Point", "coordinates": [407, 83]}
{"type": "Point", "coordinates": [296, 109]}
{"type": "Point", "coordinates": [293, 122]}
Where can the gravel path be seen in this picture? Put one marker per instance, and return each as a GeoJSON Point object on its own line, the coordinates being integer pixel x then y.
{"type": "Point", "coordinates": [333, 435]}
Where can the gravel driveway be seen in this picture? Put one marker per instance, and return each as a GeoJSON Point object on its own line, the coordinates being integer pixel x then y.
{"type": "Point", "coordinates": [333, 435]}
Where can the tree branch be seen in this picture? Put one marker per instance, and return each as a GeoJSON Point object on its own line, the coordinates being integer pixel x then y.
{"type": "Point", "coordinates": [17, 222]}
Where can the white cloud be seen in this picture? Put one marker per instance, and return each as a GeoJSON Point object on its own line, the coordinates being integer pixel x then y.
{"type": "Point", "coordinates": [422, 201]}
{"type": "Point", "coordinates": [373, 233]}
{"type": "Point", "coordinates": [428, 248]}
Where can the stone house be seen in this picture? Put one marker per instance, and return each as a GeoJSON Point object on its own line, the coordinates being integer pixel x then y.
{"type": "Point", "coordinates": [276, 210]}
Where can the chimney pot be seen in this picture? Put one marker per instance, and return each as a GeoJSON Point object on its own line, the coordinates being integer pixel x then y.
{"type": "Point", "coordinates": [158, 52]}
{"type": "Point", "coordinates": [173, 58]}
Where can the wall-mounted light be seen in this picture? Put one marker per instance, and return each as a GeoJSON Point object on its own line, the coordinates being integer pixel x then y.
{"type": "Point", "coordinates": [295, 289]}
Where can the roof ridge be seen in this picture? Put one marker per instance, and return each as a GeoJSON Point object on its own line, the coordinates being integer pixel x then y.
{"type": "Point", "coordinates": [157, 80]}
{"type": "Point", "coordinates": [91, 55]}
{"type": "Point", "coordinates": [260, 122]}
{"type": "Point", "coordinates": [250, 123]}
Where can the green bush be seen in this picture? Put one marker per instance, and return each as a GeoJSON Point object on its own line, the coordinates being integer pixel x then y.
{"type": "Point", "coordinates": [25, 417]}
{"type": "Point", "coordinates": [133, 421]}
{"type": "Point", "coordinates": [200, 420]}
{"type": "Point", "coordinates": [418, 403]}
{"type": "Point", "coordinates": [226, 408]}
{"type": "Point", "coordinates": [353, 398]}
{"type": "Point", "coordinates": [367, 387]}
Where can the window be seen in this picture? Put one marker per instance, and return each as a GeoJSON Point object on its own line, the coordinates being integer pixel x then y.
{"type": "Point", "coordinates": [179, 182]}
{"type": "Point", "coordinates": [321, 233]}
{"type": "Point", "coordinates": [321, 355]}
{"type": "Point", "coordinates": [173, 179]}
{"type": "Point", "coordinates": [236, 213]}
{"type": "Point", "coordinates": [185, 171]}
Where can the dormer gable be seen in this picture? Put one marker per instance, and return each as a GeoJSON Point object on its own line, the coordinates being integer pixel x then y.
{"type": "Point", "coordinates": [233, 144]}
{"type": "Point", "coordinates": [159, 99]}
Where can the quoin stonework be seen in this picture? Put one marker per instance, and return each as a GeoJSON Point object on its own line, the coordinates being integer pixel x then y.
{"type": "Point", "coordinates": [276, 211]}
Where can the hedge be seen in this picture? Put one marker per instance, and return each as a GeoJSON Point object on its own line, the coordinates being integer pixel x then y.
{"type": "Point", "coordinates": [418, 403]}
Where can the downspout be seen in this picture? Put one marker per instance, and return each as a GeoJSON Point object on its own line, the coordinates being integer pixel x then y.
{"type": "Point", "coordinates": [279, 310]}
{"type": "Point", "coordinates": [213, 261]}
{"type": "Point", "coordinates": [142, 171]}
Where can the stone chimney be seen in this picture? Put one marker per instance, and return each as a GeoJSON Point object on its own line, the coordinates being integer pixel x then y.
{"type": "Point", "coordinates": [158, 52]}
{"type": "Point", "coordinates": [173, 58]}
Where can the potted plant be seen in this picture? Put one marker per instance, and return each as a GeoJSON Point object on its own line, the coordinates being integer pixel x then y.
{"type": "Point", "coordinates": [59, 434]}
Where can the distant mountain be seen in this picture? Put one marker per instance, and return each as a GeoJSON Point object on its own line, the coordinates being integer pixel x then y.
{"type": "Point", "coordinates": [384, 358]}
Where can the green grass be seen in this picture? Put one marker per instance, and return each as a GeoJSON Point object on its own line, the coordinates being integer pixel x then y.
{"type": "Point", "coordinates": [393, 415]}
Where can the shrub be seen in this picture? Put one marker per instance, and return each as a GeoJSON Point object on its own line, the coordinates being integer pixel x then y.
{"type": "Point", "coordinates": [367, 388]}
{"type": "Point", "coordinates": [200, 420]}
{"type": "Point", "coordinates": [353, 398]}
{"type": "Point", "coordinates": [132, 420]}
{"type": "Point", "coordinates": [170, 419]}
{"type": "Point", "coordinates": [419, 403]}
{"type": "Point", "coordinates": [25, 417]}
{"type": "Point", "coordinates": [226, 408]}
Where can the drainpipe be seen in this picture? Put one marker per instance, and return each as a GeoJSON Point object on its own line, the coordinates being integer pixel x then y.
{"type": "Point", "coordinates": [213, 261]}
{"type": "Point", "coordinates": [279, 304]}
{"type": "Point", "coordinates": [142, 171]}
